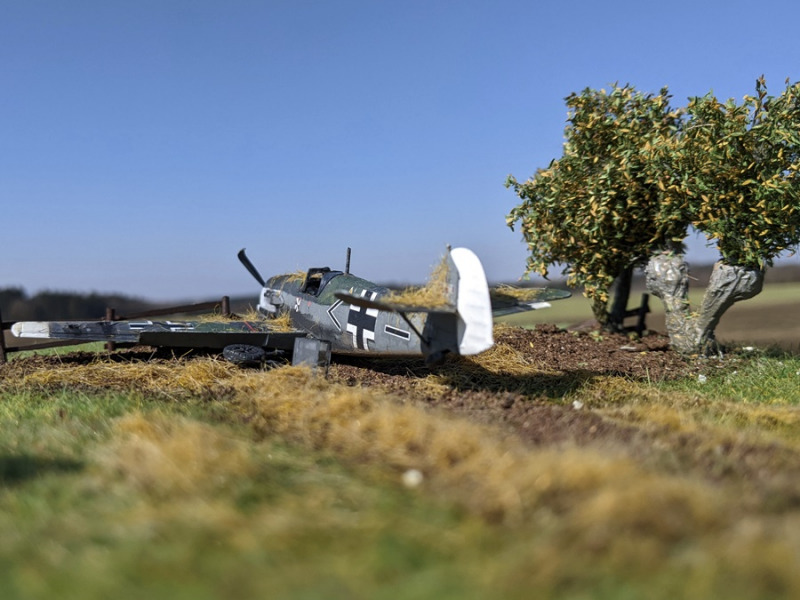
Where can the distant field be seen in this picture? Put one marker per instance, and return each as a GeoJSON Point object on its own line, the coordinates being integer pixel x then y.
{"type": "Point", "coordinates": [770, 319]}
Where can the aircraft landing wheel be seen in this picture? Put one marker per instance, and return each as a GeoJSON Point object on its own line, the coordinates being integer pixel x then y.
{"type": "Point", "coordinates": [244, 354]}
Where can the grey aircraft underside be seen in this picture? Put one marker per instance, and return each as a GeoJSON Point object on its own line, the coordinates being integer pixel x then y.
{"type": "Point", "coordinates": [329, 311]}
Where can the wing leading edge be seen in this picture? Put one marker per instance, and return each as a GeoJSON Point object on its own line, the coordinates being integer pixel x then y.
{"type": "Point", "coordinates": [507, 300]}
{"type": "Point", "coordinates": [178, 334]}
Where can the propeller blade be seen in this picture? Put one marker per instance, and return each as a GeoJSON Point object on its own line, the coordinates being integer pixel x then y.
{"type": "Point", "coordinates": [249, 266]}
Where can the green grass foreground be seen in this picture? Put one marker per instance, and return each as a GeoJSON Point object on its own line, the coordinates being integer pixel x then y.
{"type": "Point", "coordinates": [112, 495]}
{"type": "Point", "coordinates": [194, 480]}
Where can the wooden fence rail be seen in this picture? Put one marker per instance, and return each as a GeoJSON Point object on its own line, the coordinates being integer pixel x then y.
{"type": "Point", "coordinates": [224, 306]}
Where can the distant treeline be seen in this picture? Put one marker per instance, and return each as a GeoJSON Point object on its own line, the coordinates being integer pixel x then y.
{"type": "Point", "coordinates": [16, 305]}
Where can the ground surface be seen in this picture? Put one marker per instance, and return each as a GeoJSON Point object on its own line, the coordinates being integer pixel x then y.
{"type": "Point", "coordinates": [557, 362]}
{"type": "Point", "coordinates": [562, 360]}
{"type": "Point", "coordinates": [558, 464]}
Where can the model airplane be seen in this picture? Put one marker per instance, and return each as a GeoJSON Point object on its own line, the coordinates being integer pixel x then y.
{"type": "Point", "coordinates": [330, 312]}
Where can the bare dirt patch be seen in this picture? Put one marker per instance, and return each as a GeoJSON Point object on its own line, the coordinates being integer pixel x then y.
{"type": "Point", "coordinates": [530, 403]}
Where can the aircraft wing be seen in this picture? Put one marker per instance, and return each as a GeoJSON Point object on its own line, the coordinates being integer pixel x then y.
{"type": "Point", "coordinates": [177, 334]}
{"type": "Point", "coordinates": [507, 300]}
{"type": "Point", "coordinates": [365, 302]}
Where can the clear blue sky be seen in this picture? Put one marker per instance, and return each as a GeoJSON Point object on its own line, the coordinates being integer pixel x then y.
{"type": "Point", "coordinates": [143, 143]}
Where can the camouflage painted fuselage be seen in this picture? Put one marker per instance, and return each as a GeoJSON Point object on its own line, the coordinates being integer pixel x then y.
{"type": "Point", "coordinates": [313, 307]}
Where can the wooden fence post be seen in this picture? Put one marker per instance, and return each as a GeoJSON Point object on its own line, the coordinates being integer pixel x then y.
{"type": "Point", "coordinates": [2, 341]}
{"type": "Point", "coordinates": [226, 307]}
{"type": "Point", "coordinates": [110, 316]}
{"type": "Point", "coordinates": [644, 308]}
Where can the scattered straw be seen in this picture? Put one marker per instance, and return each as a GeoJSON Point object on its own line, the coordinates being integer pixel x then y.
{"type": "Point", "coordinates": [518, 293]}
{"type": "Point", "coordinates": [434, 294]}
{"type": "Point", "coordinates": [158, 376]}
{"type": "Point", "coordinates": [281, 323]}
{"type": "Point", "coordinates": [296, 276]}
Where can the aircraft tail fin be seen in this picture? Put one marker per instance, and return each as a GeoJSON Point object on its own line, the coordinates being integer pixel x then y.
{"type": "Point", "coordinates": [462, 324]}
{"type": "Point", "coordinates": [471, 298]}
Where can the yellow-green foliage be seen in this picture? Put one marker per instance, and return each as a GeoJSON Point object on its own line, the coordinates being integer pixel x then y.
{"type": "Point", "coordinates": [744, 172]}
{"type": "Point", "coordinates": [601, 206]}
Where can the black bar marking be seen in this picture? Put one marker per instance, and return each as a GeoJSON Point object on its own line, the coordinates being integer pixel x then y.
{"type": "Point", "coordinates": [401, 333]}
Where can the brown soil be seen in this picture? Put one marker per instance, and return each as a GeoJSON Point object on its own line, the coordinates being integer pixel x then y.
{"type": "Point", "coordinates": [530, 404]}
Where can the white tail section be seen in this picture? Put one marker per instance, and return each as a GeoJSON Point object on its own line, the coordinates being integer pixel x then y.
{"type": "Point", "coordinates": [473, 303]}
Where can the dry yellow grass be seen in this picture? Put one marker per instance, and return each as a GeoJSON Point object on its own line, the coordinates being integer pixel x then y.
{"type": "Point", "coordinates": [518, 293]}
{"type": "Point", "coordinates": [689, 413]}
{"type": "Point", "coordinates": [490, 474]}
{"type": "Point", "coordinates": [280, 323]}
{"type": "Point", "coordinates": [171, 456]}
{"type": "Point", "coordinates": [197, 376]}
{"type": "Point", "coordinates": [434, 294]}
{"type": "Point", "coordinates": [298, 275]}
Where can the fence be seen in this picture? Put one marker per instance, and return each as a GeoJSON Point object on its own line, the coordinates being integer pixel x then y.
{"type": "Point", "coordinates": [224, 306]}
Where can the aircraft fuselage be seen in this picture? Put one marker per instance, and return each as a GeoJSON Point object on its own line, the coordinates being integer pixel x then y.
{"type": "Point", "coordinates": [312, 306]}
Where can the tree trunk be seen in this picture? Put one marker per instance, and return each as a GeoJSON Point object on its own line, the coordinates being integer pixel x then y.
{"type": "Point", "coordinates": [728, 284]}
{"type": "Point", "coordinates": [622, 292]}
{"type": "Point", "coordinates": [614, 319]}
{"type": "Point", "coordinates": [600, 311]}
{"type": "Point", "coordinates": [667, 278]}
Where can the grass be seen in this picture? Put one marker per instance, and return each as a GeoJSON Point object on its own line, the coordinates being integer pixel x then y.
{"type": "Point", "coordinates": [191, 478]}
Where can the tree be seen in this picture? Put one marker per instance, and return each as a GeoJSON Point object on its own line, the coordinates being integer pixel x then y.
{"type": "Point", "coordinates": [737, 168]}
{"type": "Point", "coordinates": [599, 210]}
{"type": "Point", "coordinates": [635, 174]}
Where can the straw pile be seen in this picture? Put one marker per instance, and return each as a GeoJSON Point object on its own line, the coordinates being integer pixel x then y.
{"type": "Point", "coordinates": [158, 377]}
{"type": "Point", "coordinates": [434, 294]}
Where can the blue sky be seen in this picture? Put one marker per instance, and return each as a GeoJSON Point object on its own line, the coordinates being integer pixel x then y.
{"type": "Point", "coordinates": [143, 143]}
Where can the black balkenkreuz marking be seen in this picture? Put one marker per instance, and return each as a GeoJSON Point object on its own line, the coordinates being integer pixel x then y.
{"type": "Point", "coordinates": [402, 334]}
{"type": "Point", "coordinates": [332, 316]}
{"type": "Point", "coordinates": [361, 322]}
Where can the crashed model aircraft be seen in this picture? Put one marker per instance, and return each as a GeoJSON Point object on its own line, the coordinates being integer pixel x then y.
{"type": "Point", "coordinates": [329, 312]}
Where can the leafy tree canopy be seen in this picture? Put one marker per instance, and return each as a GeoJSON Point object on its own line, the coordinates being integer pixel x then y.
{"type": "Point", "coordinates": [599, 208]}
{"type": "Point", "coordinates": [738, 164]}
{"type": "Point", "coordinates": [636, 173]}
